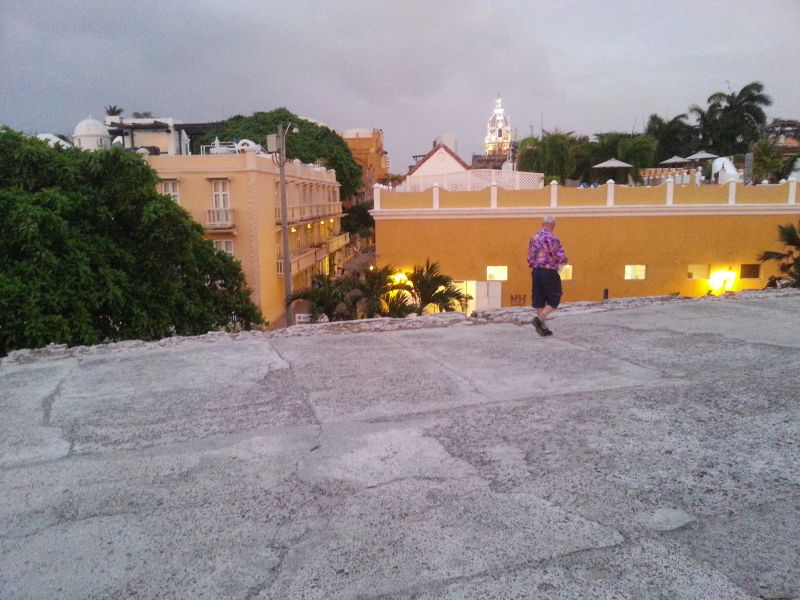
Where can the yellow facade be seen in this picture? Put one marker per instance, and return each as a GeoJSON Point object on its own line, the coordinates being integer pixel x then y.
{"type": "Point", "coordinates": [366, 146]}
{"type": "Point", "coordinates": [237, 200]}
{"type": "Point", "coordinates": [600, 239]}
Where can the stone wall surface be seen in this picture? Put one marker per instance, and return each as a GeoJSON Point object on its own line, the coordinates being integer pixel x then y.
{"type": "Point", "coordinates": [648, 449]}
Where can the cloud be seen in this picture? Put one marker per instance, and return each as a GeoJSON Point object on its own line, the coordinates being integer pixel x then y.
{"type": "Point", "coordinates": [415, 69]}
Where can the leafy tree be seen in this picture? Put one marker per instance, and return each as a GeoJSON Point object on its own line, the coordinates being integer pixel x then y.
{"type": "Point", "coordinates": [312, 143]}
{"type": "Point", "coordinates": [357, 218]}
{"type": "Point", "coordinates": [324, 296]}
{"type": "Point", "coordinates": [789, 260]}
{"type": "Point", "coordinates": [740, 115]}
{"type": "Point", "coordinates": [112, 110]}
{"type": "Point", "coordinates": [89, 252]}
{"type": "Point", "coordinates": [675, 136]}
{"type": "Point", "coordinates": [707, 127]}
{"type": "Point", "coordinates": [429, 286]}
{"type": "Point", "coordinates": [640, 151]}
{"type": "Point", "coordinates": [767, 160]}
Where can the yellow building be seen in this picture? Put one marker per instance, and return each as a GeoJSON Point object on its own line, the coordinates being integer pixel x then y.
{"type": "Point", "coordinates": [366, 146]}
{"type": "Point", "coordinates": [621, 241]}
{"type": "Point", "coordinates": [235, 196]}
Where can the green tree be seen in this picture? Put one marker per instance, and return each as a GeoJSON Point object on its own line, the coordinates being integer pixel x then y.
{"type": "Point", "coordinates": [740, 116]}
{"type": "Point", "coordinates": [675, 136]}
{"type": "Point", "coordinates": [431, 287]}
{"type": "Point", "coordinates": [89, 252]}
{"type": "Point", "coordinates": [767, 159]}
{"type": "Point", "coordinates": [357, 218]}
{"type": "Point", "coordinates": [112, 110]}
{"type": "Point", "coordinates": [707, 127]}
{"type": "Point", "coordinates": [640, 151]}
{"type": "Point", "coordinates": [556, 158]}
{"type": "Point", "coordinates": [789, 260]}
{"type": "Point", "coordinates": [328, 296]}
{"type": "Point", "coordinates": [312, 143]}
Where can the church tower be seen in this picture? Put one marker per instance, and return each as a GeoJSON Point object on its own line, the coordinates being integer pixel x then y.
{"type": "Point", "coordinates": [498, 131]}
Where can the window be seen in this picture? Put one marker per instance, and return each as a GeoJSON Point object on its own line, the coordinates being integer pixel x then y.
{"type": "Point", "coordinates": [220, 193]}
{"type": "Point", "coordinates": [699, 271]}
{"type": "Point", "coordinates": [635, 272]}
{"type": "Point", "coordinates": [499, 273]}
{"type": "Point", "coordinates": [566, 272]}
{"type": "Point", "coordinates": [752, 271]}
{"type": "Point", "coordinates": [169, 187]}
{"type": "Point", "coordinates": [224, 245]}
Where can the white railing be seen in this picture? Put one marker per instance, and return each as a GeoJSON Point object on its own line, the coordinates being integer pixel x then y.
{"type": "Point", "coordinates": [474, 180]}
{"type": "Point", "coordinates": [340, 241]}
{"type": "Point", "coordinates": [306, 259]}
{"type": "Point", "coordinates": [303, 212]}
{"type": "Point", "coordinates": [219, 218]}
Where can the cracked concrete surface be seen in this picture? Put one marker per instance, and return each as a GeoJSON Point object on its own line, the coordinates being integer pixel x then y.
{"type": "Point", "coordinates": [648, 452]}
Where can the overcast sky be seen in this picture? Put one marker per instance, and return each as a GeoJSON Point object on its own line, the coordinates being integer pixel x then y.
{"type": "Point", "coordinates": [415, 69]}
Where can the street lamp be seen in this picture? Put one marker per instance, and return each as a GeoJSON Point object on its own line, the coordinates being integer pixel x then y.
{"type": "Point", "coordinates": [276, 143]}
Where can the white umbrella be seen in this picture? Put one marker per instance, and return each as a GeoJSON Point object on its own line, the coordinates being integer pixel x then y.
{"type": "Point", "coordinates": [675, 160]}
{"type": "Point", "coordinates": [701, 155]}
{"type": "Point", "coordinates": [612, 163]}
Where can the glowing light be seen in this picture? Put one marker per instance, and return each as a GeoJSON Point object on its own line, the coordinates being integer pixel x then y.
{"type": "Point", "coordinates": [294, 229]}
{"type": "Point", "coordinates": [330, 221]}
{"type": "Point", "coordinates": [372, 267]}
{"type": "Point", "coordinates": [308, 226]}
{"type": "Point", "coordinates": [721, 281]}
{"type": "Point", "coordinates": [322, 222]}
{"type": "Point", "coordinates": [399, 278]}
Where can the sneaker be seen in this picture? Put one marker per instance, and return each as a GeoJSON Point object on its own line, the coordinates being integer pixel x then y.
{"type": "Point", "coordinates": [547, 330]}
{"type": "Point", "coordinates": [540, 328]}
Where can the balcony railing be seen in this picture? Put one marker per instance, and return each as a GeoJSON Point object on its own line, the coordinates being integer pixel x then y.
{"type": "Point", "coordinates": [219, 218]}
{"type": "Point", "coordinates": [306, 212]}
{"type": "Point", "coordinates": [307, 259]}
{"type": "Point", "coordinates": [340, 241]}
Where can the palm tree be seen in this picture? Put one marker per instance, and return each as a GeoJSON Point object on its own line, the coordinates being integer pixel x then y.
{"type": "Point", "coordinates": [789, 265]}
{"type": "Point", "coordinates": [675, 136]}
{"type": "Point", "coordinates": [112, 110]}
{"type": "Point", "coordinates": [432, 287]}
{"type": "Point", "coordinates": [329, 297]}
{"type": "Point", "coordinates": [379, 290]}
{"type": "Point", "coordinates": [767, 160]}
{"type": "Point", "coordinates": [707, 124]}
{"type": "Point", "coordinates": [741, 114]}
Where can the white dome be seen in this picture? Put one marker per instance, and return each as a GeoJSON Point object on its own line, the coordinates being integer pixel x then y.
{"type": "Point", "coordinates": [90, 127]}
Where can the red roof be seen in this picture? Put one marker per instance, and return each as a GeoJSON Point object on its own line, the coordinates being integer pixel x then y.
{"type": "Point", "coordinates": [431, 153]}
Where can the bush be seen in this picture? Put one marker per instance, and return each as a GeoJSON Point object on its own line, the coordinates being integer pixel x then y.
{"type": "Point", "coordinates": [90, 252]}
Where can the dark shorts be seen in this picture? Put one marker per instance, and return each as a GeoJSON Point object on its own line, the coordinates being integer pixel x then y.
{"type": "Point", "coordinates": [545, 287]}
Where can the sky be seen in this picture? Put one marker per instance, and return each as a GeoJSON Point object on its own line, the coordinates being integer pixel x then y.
{"type": "Point", "coordinates": [415, 69]}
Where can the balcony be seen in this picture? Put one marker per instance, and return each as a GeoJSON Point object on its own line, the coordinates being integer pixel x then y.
{"type": "Point", "coordinates": [305, 260]}
{"type": "Point", "coordinates": [338, 242]}
{"type": "Point", "coordinates": [308, 212]}
{"type": "Point", "coordinates": [219, 218]}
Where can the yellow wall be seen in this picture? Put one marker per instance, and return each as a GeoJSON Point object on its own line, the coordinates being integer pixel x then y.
{"type": "Point", "coordinates": [761, 194]}
{"type": "Point", "coordinates": [704, 194]}
{"type": "Point", "coordinates": [640, 196]}
{"type": "Point", "coordinates": [253, 197]}
{"type": "Point", "coordinates": [463, 199]}
{"type": "Point", "coordinates": [597, 247]}
{"type": "Point", "coordinates": [519, 198]}
{"type": "Point", "coordinates": [390, 200]}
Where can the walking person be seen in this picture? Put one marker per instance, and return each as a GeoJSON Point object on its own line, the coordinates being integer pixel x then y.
{"type": "Point", "coordinates": [545, 257]}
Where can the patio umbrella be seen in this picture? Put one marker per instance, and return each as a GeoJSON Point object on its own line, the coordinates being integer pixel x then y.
{"type": "Point", "coordinates": [675, 160]}
{"type": "Point", "coordinates": [701, 155]}
{"type": "Point", "coordinates": [612, 163]}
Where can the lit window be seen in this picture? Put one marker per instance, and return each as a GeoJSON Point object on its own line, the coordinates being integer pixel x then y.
{"type": "Point", "coordinates": [566, 272]}
{"type": "Point", "coordinates": [498, 273]}
{"type": "Point", "coordinates": [699, 271]}
{"type": "Point", "coordinates": [220, 193]}
{"type": "Point", "coordinates": [224, 245]}
{"type": "Point", "coordinates": [752, 271]}
{"type": "Point", "coordinates": [635, 271]}
{"type": "Point", "coordinates": [169, 187]}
